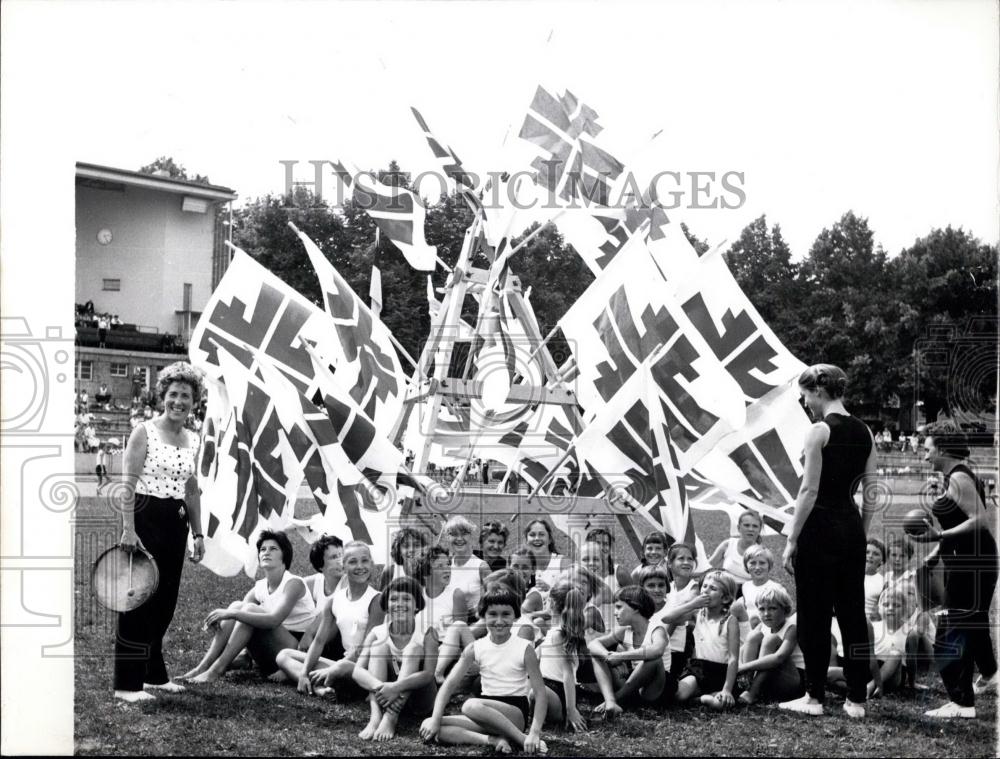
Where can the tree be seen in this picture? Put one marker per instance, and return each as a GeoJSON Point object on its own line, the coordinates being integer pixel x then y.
{"type": "Point", "coordinates": [761, 263]}
{"type": "Point", "coordinates": [947, 285]}
{"type": "Point", "coordinates": [176, 171]}
{"type": "Point", "coordinates": [848, 315]}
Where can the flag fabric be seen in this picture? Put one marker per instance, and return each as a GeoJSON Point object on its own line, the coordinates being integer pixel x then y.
{"type": "Point", "coordinates": [252, 310]}
{"type": "Point", "coordinates": [569, 162]}
{"type": "Point", "coordinates": [450, 163]}
{"type": "Point", "coordinates": [721, 312]}
{"type": "Point", "coordinates": [627, 316]}
{"type": "Point", "coordinates": [375, 292]}
{"type": "Point", "coordinates": [397, 212]}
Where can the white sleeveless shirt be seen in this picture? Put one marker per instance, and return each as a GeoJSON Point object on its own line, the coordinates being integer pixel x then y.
{"type": "Point", "coordinates": [302, 612]}
{"type": "Point", "coordinates": [551, 655]}
{"type": "Point", "coordinates": [709, 643]}
{"type": "Point", "coordinates": [468, 578]}
{"type": "Point", "coordinates": [316, 585]}
{"type": "Point", "coordinates": [166, 468]}
{"type": "Point", "coordinates": [797, 659]}
{"type": "Point", "coordinates": [352, 616]}
{"type": "Point", "coordinates": [501, 667]}
{"type": "Point", "coordinates": [732, 561]}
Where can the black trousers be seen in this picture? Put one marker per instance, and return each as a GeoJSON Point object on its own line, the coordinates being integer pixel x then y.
{"type": "Point", "coordinates": [830, 578]}
{"type": "Point", "coordinates": [161, 525]}
{"type": "Point", "coordinates": [963, 639]}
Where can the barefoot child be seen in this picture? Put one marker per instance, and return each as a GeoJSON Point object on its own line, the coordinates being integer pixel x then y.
{"type": "Point", "coordinates": [272, 616]}
{"type": "Point", "coordinates": [540, 538]}
{"type": "Point", "coordinates": [616, 576]}
{"type": "Point", "coordinates": [758, 562]}
{"type": "Point", "coordinates": [467, 571]}
{"type": "Point", "coordinates": [407, 549]}
{"type": "Point", "coordinates": [327, 557]}
{"type": "Point", "coordinates": [889, 634]}
{"type": "Point", "coordinates": [729, 554]}
{"type": "Point", "coordinates": [397, 668]}
{"type": "Point", "coordinates": [772, 656]}
{"type": "Point", "coordinates": [712, 670]}
{"type": "Point", "coordinates": [559, 654]}
{"type": "Point", "coordinates": [350, 613]}
{"type": "Point", "coordinates": [874, 579]}
{"type": "Point", "coordinates": [678, 609]}
{"type": "Point", "coordinates": [639, 644]}
{"type": "Point", "coordinates": [509, 672]}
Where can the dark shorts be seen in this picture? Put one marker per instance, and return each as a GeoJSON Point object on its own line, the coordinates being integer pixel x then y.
{"type": "Point", "coordinates": [669, 689]}
{"type": "Point", "coordinates": [585, 672]}
{"type": "Point", "coordinates": [679, 660]}
{"type": "Point", "coordinates": [334, 649]}
{"type": "Point", "coordinates": [521, 702]}
{"type": "Point", "coordinates": [264, 650]}
{"type": "Point", "coordinates": [710, 675]}
{"type": "Point", "coordinates": [559, 689]}
{"type": "Point", "coordinates": [101, 469]}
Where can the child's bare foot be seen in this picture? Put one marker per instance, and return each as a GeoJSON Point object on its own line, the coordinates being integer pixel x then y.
{"type": "Point", "coordinates": [369, 732]}
{"type": "Point", "coordinates": [322, 690]}
{"type": "Point", "coordinates": [191, 673]}
{"type": "Point", "coordinates": [500, 745]}
{"type": "Point", "coordinates": [208, 676]}
{"type": "Point", "coordinates": [278, 677]}
{"type": "Point", "coordinates": [387, 728]}
{"type": "Point", "coordinates": [165, 687]}
{"type": "Point", "coordinates": [710, 701]}
{"type": "Point", "coordinates": [746, 698]}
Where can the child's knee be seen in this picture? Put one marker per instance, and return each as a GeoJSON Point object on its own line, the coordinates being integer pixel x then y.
{"type": "Point", "coordinates": [770, 644]}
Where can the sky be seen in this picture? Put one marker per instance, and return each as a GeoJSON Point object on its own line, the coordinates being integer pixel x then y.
{"type": "Point", "coordinates": [887, 108]}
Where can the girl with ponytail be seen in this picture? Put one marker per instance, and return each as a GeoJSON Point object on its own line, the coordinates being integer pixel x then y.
{"type": "Point", "coordinates": [559, 653]}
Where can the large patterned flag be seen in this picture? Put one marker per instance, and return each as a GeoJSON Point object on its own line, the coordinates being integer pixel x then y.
{"type": "Point", "coordinates": [365, 340]}
{"type": "Point", "coordinates": [252, 310]}
{"type": "Point", "coordinates": [450, 163]}
{"type": "Point", "coordinates": [721, 312]}
{"type": "Point", "coordinates": [569, 162]}
{"type": "Point", "coordinates": [627, 316]}
{"type": "Point", "coordinates": [397, 212]}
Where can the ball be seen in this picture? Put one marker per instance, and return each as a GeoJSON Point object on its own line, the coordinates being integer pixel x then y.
{"type": "Point", "coordinates": [915, 522]}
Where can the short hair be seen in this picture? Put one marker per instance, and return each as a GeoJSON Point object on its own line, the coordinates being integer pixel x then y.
{"type": "Point", "coordinates": [652, 572]}
{"type": "Point", "coordinates": [179, 371]}
{"type": "Point", "coordinates": [493, 528]}
{"type": "Point", "coordinates": [404, 534]}
{"type": "Point", "coordinates": [593, 534]}
{"type": "Point", "coordinates": [283, 543]}
{"type": "Point", "coordinates": [509, 579]}
{"type": "Point", "coordinates": [502, 596]}
{"type": "Point", "coordinates": [656, 537]}
{"type": "Point", "coordinates": [317, 551]}
{"type": "Point", "coordinates": [778, 595]}
{"type": "Point", "coordinates": [949, 438]}
{"type": "Point", "coordinates": [879, 545]}
{"type": "Point", "coordinates": [459, 524]}
{"type": "Point", "coordinates": [831, 378]}
{"type": "Point", "coordinates": [432, 553]}
{"type": "Point", "coordinates": [758, 551]}
{"type": "Point", "coordinates": [357, 544]}
{"type": "Point", "coordinates": [548, 528]}
{"type": "Point", "coordinates": [403, 585]}
{"type": "Point", "coordinates": [891, 593]}
{"type": "Point", "coordinates": [608, 557]}
{"type": "Point", "coordinates": [523, 550]}
{"type": "Point", "coordinates": [676, 548]}
{"type": "Point", "coordinates": [637, 598]}
{"type": "Point", "coordinates": [897, 537]}
{"type": "Point", "coordinates": [726, 580]}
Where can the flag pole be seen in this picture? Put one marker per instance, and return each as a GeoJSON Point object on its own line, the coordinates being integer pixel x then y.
{"type": "Point", "coordinates": [552, 472]}
{"type": "Point", "coordinates": [517, 375]}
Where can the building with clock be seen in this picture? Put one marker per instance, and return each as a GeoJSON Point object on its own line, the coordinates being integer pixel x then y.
{"type": "Point", "coordinates": [149, 250]}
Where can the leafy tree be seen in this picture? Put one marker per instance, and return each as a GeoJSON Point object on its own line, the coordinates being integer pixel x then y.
{"type": "Point", "coordinates": [176, 170]}
{"type": "Point", "coordinates": [947, 286]}
{"type": "Point", "coordinates": [761, 263]}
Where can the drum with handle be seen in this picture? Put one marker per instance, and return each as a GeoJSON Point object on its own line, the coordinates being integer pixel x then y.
{"type": "Point", "coordinates": [124, 580]}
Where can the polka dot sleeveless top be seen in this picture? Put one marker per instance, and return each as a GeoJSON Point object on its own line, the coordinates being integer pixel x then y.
{"type": "Point", "coordinates": [167, 467]}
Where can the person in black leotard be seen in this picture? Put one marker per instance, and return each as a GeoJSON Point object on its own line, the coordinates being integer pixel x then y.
{"type": "Point", "coordinates": [969, 554]}
{"type": "Point", "coordinates": [826, 540]}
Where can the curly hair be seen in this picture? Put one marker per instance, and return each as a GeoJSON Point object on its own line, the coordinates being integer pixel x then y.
{"type": "Point", "coordinates": [318, 550]}
{"type": "Point", "coordinates": [180, 371]}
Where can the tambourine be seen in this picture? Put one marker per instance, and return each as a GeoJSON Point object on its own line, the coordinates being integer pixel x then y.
{"type": "Point", "coordinates": [124, 580]}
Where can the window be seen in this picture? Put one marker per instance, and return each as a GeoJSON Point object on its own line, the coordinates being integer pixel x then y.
{"type": "Point", "coordinates": [84, 370]}
{"type": "Point", "coordinates": [112, 284]}
{"type": "Point", "coordinates": [119, 370]}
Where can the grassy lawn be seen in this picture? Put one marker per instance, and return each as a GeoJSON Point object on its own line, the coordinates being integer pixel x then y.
{"type": "Point", "coordinates": [247, 716]}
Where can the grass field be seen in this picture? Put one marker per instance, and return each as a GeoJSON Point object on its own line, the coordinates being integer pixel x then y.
{"type": "Point", "coordinates": [246, 716]}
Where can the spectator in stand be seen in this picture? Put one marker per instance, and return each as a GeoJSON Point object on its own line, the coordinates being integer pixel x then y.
{"type": "Point", "coordinates": [148, 412]}
{"type": "Point", "coordinates": [101, 466]}
{"type": "Point", "coordinates": [115, 321]}
{"type": "Point", "coordinates": [84, 399]}
{"type": "Point", "coordinates": [103, 396]}
{"type": "Point", "coordinates": [102, 330]}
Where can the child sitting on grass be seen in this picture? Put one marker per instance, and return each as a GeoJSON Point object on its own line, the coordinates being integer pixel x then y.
{"type": "Point", "coordinates": [728, 555]}
{"type": "Point", "coordinates": [889, 634]}
{"type": "Point", "coordinates": [758, 562]}
{"type": "Point", "coordinates": [559, 654]}
{"type": "Point", "coordinates": [771, 655]}
{"type": "Point", "coordinates": [638, 644]}
{"type": "Point", "coordinates": [397, 666]}
{"type": "Point", "coordinates": [875, 556]}
{"type": "Point", "coordinates": [711, 672]}
{"type": "Point", "coordinates": [492, 542]}
{"type": "Point", "coordinates": [509, 672]}
{"type": "Point", "coordinates": [654, 554]}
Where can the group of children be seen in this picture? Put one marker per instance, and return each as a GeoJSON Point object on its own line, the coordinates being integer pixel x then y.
{"type": "Point", "coordinates": [528, 632]}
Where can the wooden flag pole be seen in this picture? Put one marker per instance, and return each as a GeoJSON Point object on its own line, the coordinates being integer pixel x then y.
{"type": "Point", "coordinates": [552, 472]}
